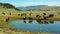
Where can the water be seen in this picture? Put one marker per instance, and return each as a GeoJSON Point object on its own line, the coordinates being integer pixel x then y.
{"type": "Point", "coordinates": [35, 26]}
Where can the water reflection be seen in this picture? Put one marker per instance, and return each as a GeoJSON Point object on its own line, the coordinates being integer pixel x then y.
{"type": "Point", "coordinates": [51, 22]}
{"type": "Point", "coordinates": [39, 21]}
{"type": "Point", "coordinates": [37, 26]}
{"type": "Point", "coordinates": [30, 19]}
{"type": "Point", "coordinates": [24, 21]}
{"type": "Point", "coordinates": [46, 22]}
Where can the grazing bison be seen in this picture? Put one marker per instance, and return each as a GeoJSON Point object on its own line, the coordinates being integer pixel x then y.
{"type": "Point", "coordinates": [7, 19]}
{"type": "Point", "coordinates": [23, 14]}
{"type": "Point", "coordinates": [24, 18]}
{"type": "Point", "coordinates": [51, 15]}
{"type": "Point", "coordinates": [9, 13]}
{"type": "Point", "coordinates": [3, 13]}
{"type": "Point", "coordinates": [44, 16]}
{"type": "Point", "coordinates": [37, 15]}
{"type": "Point", "coordinates": [18, 14]}
{"type": "Point", "coordinates": [44, 13]}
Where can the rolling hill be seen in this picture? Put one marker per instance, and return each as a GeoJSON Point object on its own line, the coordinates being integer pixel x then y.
{"type": "Point", "coordinates": [8, 6]}
{"type": "Point", "coordinates": [40, 8]}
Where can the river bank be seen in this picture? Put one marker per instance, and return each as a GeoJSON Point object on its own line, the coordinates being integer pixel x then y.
{"type": "Point", "coordinates": [14, 31]}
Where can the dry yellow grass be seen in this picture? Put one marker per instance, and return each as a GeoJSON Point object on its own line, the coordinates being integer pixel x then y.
{"type": "Point", "coordinates": [14, 14]}
{"type": "Point", "coordinates": [8, 31]}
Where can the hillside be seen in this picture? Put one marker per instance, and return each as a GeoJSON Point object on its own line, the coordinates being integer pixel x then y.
{"type": "Point", "coordinates": [31, 7]}
{"type": "Point", "coordinates": [8, 6]}
{"type": "Point", "coordinates": [41, 8]}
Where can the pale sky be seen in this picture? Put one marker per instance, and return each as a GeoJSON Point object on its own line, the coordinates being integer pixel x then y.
{"type": "Point", "coordinates": [23, 3]}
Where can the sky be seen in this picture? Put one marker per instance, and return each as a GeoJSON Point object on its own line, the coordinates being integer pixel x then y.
{"type": "Point", "coordinates": [24, 3]}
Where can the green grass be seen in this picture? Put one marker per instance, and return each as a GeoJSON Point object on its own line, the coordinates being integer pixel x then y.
{"type": "Point", "coordinates": [6, 24]}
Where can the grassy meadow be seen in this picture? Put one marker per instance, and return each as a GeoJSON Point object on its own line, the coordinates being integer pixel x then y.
{"type": "Point", "coordinates": [14, 16]}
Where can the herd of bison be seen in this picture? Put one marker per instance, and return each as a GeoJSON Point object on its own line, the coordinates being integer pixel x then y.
{"type": "Point", "coordinates": [38, 18]}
